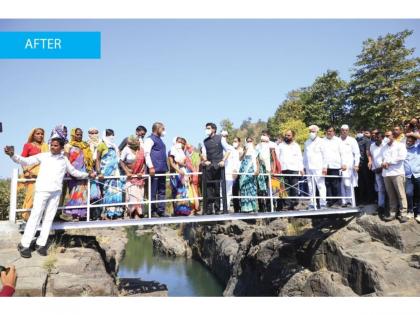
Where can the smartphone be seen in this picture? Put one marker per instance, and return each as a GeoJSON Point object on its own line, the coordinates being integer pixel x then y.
{"type": "Point", "coordinates": [2, 268]}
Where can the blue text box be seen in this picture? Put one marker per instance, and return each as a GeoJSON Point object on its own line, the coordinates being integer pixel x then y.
{"type": "Point", "coordinates": [50, 45]}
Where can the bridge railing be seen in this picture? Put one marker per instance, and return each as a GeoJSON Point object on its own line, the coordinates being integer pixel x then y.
{"type": "Point", "coordinates": [303, 195]}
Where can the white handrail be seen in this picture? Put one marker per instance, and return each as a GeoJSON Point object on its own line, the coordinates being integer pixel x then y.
{"type": "Point", "coordinates": [15, 180]}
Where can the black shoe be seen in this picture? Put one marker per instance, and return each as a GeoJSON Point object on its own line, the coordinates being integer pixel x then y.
{"type": "Point", "coordinates": [403, 219]}
{"type": "Point", "coordinates": [25, 252]}
{"type": "Point", "coordinates": [388, 218]}
{"type": "Point", "coordinates": [163, 215]}
{"type": "Point", "coordinates": [42, 250]}
{"type": "Point", "coordinates": [155, 215]}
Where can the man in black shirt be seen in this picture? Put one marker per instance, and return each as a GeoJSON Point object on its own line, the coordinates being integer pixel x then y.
{"type": "Point", "coordinates": [365, 191]}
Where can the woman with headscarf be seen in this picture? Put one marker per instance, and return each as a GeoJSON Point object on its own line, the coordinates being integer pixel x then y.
{"type": "Point", "coordinates": [182, 183]}
{"type": "Point", "coordinates": [80, 156]}
{"type": "Point", "coordinates": [132, 161]}
{"type": "Point", "coordinates": [33, 146]}
{"type": "Point", "coordinates": [107, 162]}
{"type": "Point", "coordinates": [93, 141]}
{"type": "Point", "coordinates": [60, 131]}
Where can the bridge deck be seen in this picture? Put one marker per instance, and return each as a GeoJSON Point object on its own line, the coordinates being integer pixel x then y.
{"type": "Point", "coordinates": [204, 218]}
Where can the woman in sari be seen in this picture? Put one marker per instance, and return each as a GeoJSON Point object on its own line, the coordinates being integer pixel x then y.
{"type": "Point", "coordinates": [248, 183]}
{"type": "Point", "coordinates": [93, 141]}
{"type": "Point", "coordinates": [107, 163]}
{"type": "Point", "coordinates": [180, 183]}
{"type": "Point", "coordinates": [60, 131]}
{"type": "Point", "coordinates": [33, 146]}
{"type": "Point", "coordinates": [192, 162]}
{"type": "Point", "coordinates": [132, 161]}
{"type": "Point", "coordinates": [80, 156]}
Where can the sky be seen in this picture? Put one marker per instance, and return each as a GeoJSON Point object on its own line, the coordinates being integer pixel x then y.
{"type": "Point", "coordinates": [181, 72]}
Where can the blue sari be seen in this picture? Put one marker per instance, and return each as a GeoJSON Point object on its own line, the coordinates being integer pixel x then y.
{"type": "Point", "coordinates": [113, 188]}
{"type": "Point", "coordinates": [248, 185]}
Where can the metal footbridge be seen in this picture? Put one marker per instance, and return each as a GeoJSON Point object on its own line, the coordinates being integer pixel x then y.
{"type": "Point", "coordinates": [271, 213]}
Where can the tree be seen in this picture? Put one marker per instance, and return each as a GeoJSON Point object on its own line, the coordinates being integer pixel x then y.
{"type": "Point", "coordinates": [227, 125]}
{"type": "Point", "coordinates": [324, 101]}
{"type": "Point", "coordinates": [290, 109]}
{"type": "Point", "coordinates": [385, 81]}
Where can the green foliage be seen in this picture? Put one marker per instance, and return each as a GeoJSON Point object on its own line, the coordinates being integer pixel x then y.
{"type": "Point", "coordinates": [5, 198]}
{"type": "Point", "coordinates": [247, 129]}
{"type": "Point", "coordinates": [325, 101]}
{"type": "Point", "coordinates": [290, 109]}
{"type": "Point", "coordinates": [384, 89]}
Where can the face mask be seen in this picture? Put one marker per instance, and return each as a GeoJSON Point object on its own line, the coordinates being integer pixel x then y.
{"type": "Point", "coordinates": [111, 139]}
{"type": "Point", "coordinates": [265, 139]}
{"type": "Point", "coordinates": [208, 132]}
{"type": "Point", "coordinates": [312, 135]}
{"type": "Point", "coordinates": [287, 140]}
{"type": "Point", "coordinates": [249, 146]}
{"type": "Point", "coordinates": [386, 140]}
{"type": "Point", "coordinates": [359, 135]}
{"type": "Point", "coordinates": [178, 146]}
{"type": "Point", "coordinates": [163, 133]}
{"type": "Point", "coordinates": [235, 145]}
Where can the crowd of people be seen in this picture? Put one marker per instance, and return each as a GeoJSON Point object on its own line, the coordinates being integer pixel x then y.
{"type": "Point", "coordinates": [259, 174]}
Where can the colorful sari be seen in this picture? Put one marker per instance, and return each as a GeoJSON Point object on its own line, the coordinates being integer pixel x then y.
{"type": "Point", "coordinates": [182, 189]}
{"type": "Point", "coordinates": [193, 161]}
{"type": "Point", "coordinates": [112, 188]}
{"type": "Point", "coordinates": [80, 157]}
{"type": "Point", "coordinates": [135, 186]}
{"type": "Point", "coordinates": [31, 172]}
{"type": "Point", "coordinates": [248, 185]}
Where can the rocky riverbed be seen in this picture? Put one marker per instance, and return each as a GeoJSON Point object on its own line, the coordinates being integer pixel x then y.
{"type": "Point", "coordinates": [80, 263]}
{"type": "Point", "coordinates": [353, 256]}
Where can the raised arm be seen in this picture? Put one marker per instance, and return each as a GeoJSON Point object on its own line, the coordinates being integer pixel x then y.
{"type": "Point", "coordinates": [74, 172]}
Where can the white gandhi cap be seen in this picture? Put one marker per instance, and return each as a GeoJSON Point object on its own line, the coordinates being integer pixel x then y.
{"type": "Point", "coordinates": [346, 127]}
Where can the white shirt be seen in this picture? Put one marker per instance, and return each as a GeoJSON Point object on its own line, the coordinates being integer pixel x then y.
{"type": "Point", "coordinates": [127, 155]}
{"type": "Point", "coordinates": [314, 154]}
{"type": "Point", "coordinates": [333, 152]}
{"type": "Point", "coordinates": [394, 155]}
{"type": "Point", "coordinates": [263, 152]}
{"type": "Point", "coordinates": [376, 155]}
{"type": "Point", "coordinates": [290, 156]}
{"type": "Point", "coordinates": [52, 170]}
{"type": "Point", "coordinates": [350, 152]}
{"type": "Point", "coordinates": [233, 164]}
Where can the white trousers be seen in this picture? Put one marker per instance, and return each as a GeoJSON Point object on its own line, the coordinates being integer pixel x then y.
{"type": "Point", "coordinates": [45, 207]}
{"type": "Point", "coordinates": [229, 192]}
{"type": "Point", "coordinates": [319, 181]}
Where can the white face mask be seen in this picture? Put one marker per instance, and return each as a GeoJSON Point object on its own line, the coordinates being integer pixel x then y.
{"type": "Point", "coordinates": [386, 140]}
{"type": "Point", "coordinates": [235, 145]}
{"type": "Point", "coordinates": [359, 135]}
{"type": "Point", "coordinates": [312, 135]}
{"type": "Point", "coordinates": [178, 146]}
{"type": "Point", "coordinates": [265, 139]}
{"type": "Point", "coordinates": [208, 132]}
{"type": "Point", "coordinates": [163, 133]}
{"type": "Point", "coordinates": [111, 139]}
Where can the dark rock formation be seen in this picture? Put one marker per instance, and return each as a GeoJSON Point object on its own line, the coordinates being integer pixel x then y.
{"type": "Point", "coordinates": [326, 257]}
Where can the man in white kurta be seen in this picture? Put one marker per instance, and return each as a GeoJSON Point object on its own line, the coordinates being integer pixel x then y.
{"type": "Point", "coordinates": [315, 166]}
{"type": "Point", "coordinates": [49, 183]}
{"type": "Point", "coordinates": [351, 159]}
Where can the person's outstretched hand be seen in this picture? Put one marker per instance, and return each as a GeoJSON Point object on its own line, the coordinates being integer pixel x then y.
{"type": "Point", "coordinates": [9, 150]}
{"type": "Point", "coordinates": [9, 279]}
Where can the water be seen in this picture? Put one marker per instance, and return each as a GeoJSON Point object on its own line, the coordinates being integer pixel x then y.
{"type": "Point", "coordinates": [183, 277]}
